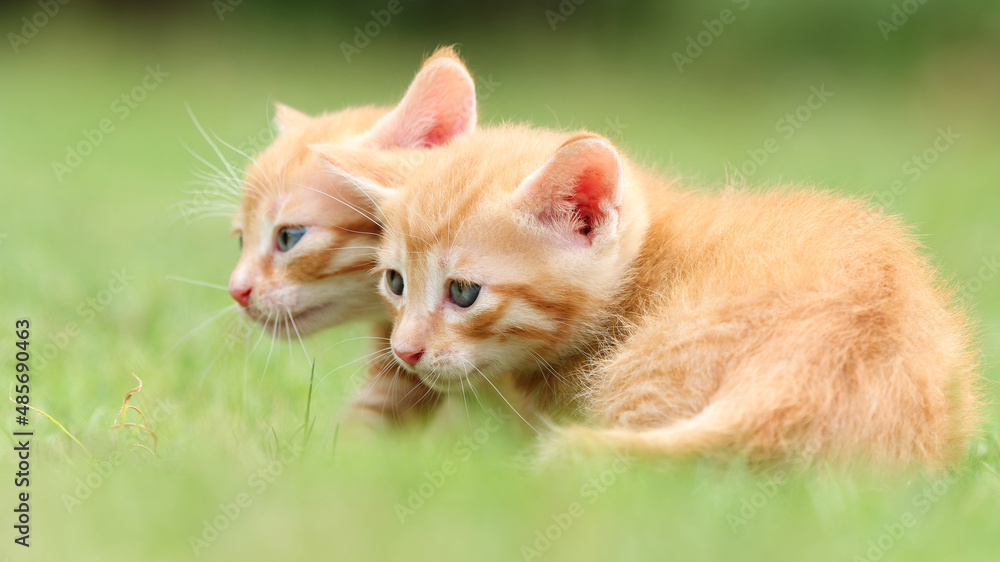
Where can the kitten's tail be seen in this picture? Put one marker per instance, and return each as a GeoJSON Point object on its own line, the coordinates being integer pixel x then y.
{"type": "Point", "coordinates": [713, 432]}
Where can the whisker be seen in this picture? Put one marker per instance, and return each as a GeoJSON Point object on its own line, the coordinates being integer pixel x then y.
{"type": "Point", "coordinates": [192, 217]}
{"type": "Point", "coordinates": [340, 248]}
{"type": "Point", "coordinates": [233, 148]}
{"type": "Point", "coordinates": [376, 338]}
{"type": "Point", "coordinates": [217, 173]}
{"type": "Point", "coordinates": [474, 392]}
{"type": "Point", "coordinates": [211, 143]}
{"type": "Point", "coordinates": [298, 335]}
{"type": "Point", "coordinates": [199, 327]}
{"type": "Point", "coordinates": [544, 365]}
{"type": "Point", "coordinates": [503, 397]}
{"type": "Point", "coordinates": [465, 401]}
{"type": "Point", "coordinates": [356, 209]}
{"type": "Point", "coordinates": [288, 336]}
{"type": "Point", "coordinates": [371, 358]}
{"type": "Point", "coordinates": [365, 193]}
{"type": "Point", "coordinates": [196, 282]}
{"type": "Point", "coordinates": [262, 332]}
{"type": "Point", "coordinates": [211, 194]}
{"type": "Point", "coordinates": [540, 368]}
{"type": "Point", "coordinates": [274, 336]}
{"type": "Point", "coordinates": [201, 379]}
{"type": "Point", "coordinates": [392, 387]}
{"type": "Point", "coordinates": [246, 358]}
{"type": "Point", "coordinates": [245, 392]}
{"type": "Point", "coordinates": [428, 391]}
{"type": "Point", "coordinates": [215, 185]}
{"type": "Point", "coordinates": [384, 370]}
{"type": "Point", "coordinates": [215, 176]}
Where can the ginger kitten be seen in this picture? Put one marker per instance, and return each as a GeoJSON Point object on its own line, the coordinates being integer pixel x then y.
{"type": "Point", "coordinates": [769, 324]}
{"type": "Point", "coordinates": [308, 241]}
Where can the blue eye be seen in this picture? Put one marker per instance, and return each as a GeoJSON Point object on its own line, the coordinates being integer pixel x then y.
{"type": "Point", "coordinates": [464, 294]}
{"type": "Point", "coordinates": [289, 236]}
{"type": "Point", "coordinates": [394, 281]}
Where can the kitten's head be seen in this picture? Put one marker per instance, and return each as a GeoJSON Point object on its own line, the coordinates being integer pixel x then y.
{"type": "Point", "coordinates": [502, 251]}
{"type": "Point", "coordinates": [307, 238]}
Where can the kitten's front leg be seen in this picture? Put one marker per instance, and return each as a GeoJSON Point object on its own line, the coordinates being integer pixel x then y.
{"type": "Point", "coordinates": [394, 396]}
{"type": "Point", "coordinates": [391, 395]}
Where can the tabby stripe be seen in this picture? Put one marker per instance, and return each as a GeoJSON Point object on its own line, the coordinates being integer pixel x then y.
{"type": "Point", "coordinates": [355, 267]}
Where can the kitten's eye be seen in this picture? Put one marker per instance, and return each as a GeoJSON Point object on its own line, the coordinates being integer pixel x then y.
{"type": "Point", "coordinates": [464, 294]}
{"type": "Point", "coordinates": [394, 281]}
{"type": "Point", "coordinates": [241, 241]}
{"type": "Point", "coordinates": [288, 236]}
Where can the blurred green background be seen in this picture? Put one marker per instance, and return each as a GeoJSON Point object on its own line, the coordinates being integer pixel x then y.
{"type": "Point", "coordinates": [911, 118]}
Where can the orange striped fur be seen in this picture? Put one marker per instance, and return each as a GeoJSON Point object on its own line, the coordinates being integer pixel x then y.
{"type": "Point", "coordinates": [674, 322]}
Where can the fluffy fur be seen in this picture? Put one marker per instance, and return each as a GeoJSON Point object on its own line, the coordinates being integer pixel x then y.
{"type": "Point", "coordinates": [325, 278]}
{"type": "Point", "coordinates": [774, 324]}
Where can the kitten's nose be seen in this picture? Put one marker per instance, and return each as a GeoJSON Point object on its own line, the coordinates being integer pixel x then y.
{"type": "Point", "coordinates": [411, 357]}
{"type": "Point", "coordinates": [240, 294]}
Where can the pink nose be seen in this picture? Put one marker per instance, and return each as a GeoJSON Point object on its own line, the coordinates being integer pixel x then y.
{"type": "Point", "coordinates": [240, 295]}
{"type": "Point", "coordinates": [411, 357]}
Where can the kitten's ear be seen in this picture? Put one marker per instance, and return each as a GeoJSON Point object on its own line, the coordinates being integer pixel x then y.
{"type": "Point", "coordinates": [578, 191]}
{"type": "Point", "coordinates": [439, 105]}
{"type": "Point", "coordinates": [286, 117]}
{"type": "Point", "coordinates": [368, 172]}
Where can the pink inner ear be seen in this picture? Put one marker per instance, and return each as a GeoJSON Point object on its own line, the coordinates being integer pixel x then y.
{"type": "Point", "coordinates": [579, 188]}
{"type": "Point", "coordinates": [590, 189]}
{"type": "Point", "coordinates": [439, 135]}
{"type": "Point", "coordinates": [439, 106]}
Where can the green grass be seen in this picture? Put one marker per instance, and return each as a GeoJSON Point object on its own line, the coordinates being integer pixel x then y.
{"type": "Point", "coordinates": [219, 422]}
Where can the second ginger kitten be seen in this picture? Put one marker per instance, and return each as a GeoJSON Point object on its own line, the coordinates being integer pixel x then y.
{"type": "Point", "coordinates": [675, 322]}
